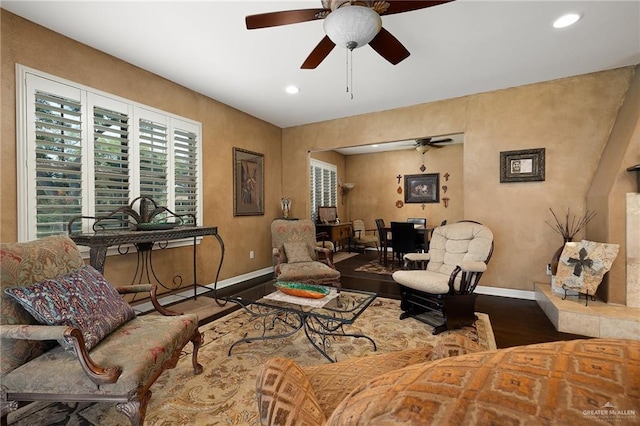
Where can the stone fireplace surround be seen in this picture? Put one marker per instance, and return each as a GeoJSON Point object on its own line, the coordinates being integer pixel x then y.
{"type": "Point", "coordinates": [599, 319]}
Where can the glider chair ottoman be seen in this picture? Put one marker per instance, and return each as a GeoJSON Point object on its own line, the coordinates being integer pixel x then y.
{"type": "Point", "coordinates": [297, 255]}
{"type": "Point", "coordinates": [103, 353]}
{"type": "Point", "coordinates": [442, 295]}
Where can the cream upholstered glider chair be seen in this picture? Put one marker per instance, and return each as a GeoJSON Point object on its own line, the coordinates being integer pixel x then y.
{"type": "Point", "coordinates": [362, 236]}
{"type": "Point", "coordinates": [296, 254]}
{"type": "Point", "coordinates": [442, 294]}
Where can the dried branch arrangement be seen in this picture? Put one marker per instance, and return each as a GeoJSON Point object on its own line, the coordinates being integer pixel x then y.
{"type": "Point", "coordinates": [571, 224]}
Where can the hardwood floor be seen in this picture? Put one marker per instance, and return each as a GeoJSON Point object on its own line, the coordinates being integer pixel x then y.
{"type": "Point", "coordinates": [514, 321]}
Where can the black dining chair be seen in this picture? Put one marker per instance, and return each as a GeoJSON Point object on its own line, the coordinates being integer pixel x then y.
{"type": "Point", "coordinates": [418, 220]}
{"type": "Point", "coordinates": [421, 237]}
{"type": "Point", "coordinates": [403, 240]}
{"type": "Point", "coordinates": [383, 239]}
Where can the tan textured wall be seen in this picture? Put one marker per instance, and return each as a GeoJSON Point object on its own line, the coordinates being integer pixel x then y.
{"type": "Point", "coordinates": [611, 183]}
{"type": "Point", "coordinates": [571, 118]}
{"type": "Point", "coordinates": [222, 129]}
{"type": "Point", "coordinates": [376, 191]}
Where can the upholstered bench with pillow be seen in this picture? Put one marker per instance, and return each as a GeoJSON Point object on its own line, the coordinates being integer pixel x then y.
{"type": "Point", "coordinates": [104, 352]}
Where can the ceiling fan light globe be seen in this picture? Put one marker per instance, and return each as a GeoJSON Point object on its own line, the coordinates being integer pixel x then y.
{"type": "Point", "coordinates": [352, 26]}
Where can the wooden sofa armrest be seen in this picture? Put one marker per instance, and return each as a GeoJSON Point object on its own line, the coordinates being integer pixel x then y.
{"type": "Point", "coordinates": [98, 375]}
{"type": "Point", "coordinates": [152, 289]}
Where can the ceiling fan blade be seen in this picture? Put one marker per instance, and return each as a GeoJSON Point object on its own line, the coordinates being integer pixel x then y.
{"type": "Point", "coordinates": [406, 6]}
{"type": "Point", "coordinates": [441, 141]}
{"type": "Point", "coordinates": [389, 47]}
{"type": "Point", "coordinates": [285, 17]}
{"type": "Point", "coordinates": [318, 54]}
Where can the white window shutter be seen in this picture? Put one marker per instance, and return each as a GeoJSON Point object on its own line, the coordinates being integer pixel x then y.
{"type": "Point", "coordinates": [323, 181]}
{"type": "Point", "coordinates": [153, 145]}
{"type": "Point", "coordinates": [82, 152]}
{"type": "Point", "coordinates": [185, 156]}
{"type": "Point", "coordinates": [58, 162]}
{"type": "Point", "coordinates": [111, 159]}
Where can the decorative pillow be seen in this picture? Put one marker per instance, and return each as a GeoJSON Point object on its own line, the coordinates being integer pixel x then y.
{"type": "Point", "coordinates": [582, 265]}
{"type": "Point", "coordinates": [82, 299]}
{"type": "Point", "coordinates": [297, 252]}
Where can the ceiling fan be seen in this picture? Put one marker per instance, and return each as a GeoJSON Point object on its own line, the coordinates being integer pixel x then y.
{"type": "Point", "coordinates": [425, 144]}
{"type": "Point", "coordinates": [341, 30]}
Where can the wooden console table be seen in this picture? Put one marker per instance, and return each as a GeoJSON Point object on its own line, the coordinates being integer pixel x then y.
{"type": "Point", "coordinates": [99, 242]}
{"type": "Point", "coordinates": [336, 231]}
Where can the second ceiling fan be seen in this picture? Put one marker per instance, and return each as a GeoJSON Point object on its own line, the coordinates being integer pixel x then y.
{"type": "Point", "coordinates": [366, 13]}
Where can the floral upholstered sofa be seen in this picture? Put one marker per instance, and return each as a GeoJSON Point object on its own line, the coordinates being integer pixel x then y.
{"type": "Point", "coordinates": [576, 382]}
{"type": "Point", "coordinates": [67, 335]}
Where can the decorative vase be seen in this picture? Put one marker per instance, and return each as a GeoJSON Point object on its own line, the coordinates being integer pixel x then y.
{"type": "Point", "coordinates": [285, 204]}
{"type": "Point", "coordinates": [555, 259]}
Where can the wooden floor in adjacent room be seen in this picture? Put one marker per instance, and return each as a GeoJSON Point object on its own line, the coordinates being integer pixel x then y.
{"type": "Point", "coordinates": [514, 321]}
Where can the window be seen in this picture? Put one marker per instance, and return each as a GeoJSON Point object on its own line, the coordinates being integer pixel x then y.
{"type": "Point", "coordinates": [324, 184]}
{"type": "Point", "coordinates": [84, 152]}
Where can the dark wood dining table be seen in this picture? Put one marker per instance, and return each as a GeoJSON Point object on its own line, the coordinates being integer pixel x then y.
{"type": "Point", "coordinates": [421, 232]}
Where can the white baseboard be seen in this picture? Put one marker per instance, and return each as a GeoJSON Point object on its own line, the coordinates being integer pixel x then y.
{"type": "Point", "coordinates": [506, 292]}
{"type": "Point", "coordinates": [242, 278]}
{"type": "Point", "coordinates": [187, 293]}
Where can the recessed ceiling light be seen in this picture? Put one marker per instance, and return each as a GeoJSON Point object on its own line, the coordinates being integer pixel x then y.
{"type": "Point", "coordinates": [292, 90]}
{"type": "Point", "coordinates": [566, 20]}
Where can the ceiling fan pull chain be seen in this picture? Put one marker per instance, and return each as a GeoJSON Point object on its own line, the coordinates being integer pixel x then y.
{"type": "Point", "coordinates": [350, 71]}
{"type": "Point", "coordinates": [346, 60]}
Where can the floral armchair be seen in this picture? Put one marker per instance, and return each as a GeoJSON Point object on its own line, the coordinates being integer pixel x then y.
{"type": "Point", "coordinates": [296, 254]}
{"type": "Point", "coordinates": [106, 353]}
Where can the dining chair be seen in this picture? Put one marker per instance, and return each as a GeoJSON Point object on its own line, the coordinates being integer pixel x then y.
{"type": "Point", "coordinates": [384, 240]}
{"type": "Point", "coordinates": [363, 237]}
{"type": "Point", "coordinates": [403, 240]}
{"type": "Point", "coordinates": [421, 234]}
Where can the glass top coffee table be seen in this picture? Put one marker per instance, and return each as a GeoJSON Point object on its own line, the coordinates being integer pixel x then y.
{"type": "Point", "coordinates": [278, 315]}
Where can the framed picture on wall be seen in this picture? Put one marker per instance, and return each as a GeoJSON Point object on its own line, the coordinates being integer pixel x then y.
{"type": "Point", "coordinates": [522, 166]}
{"type": "Point", "coordinates": [422, 189]}
{"type": "Point", "coordinates": [248, 183]}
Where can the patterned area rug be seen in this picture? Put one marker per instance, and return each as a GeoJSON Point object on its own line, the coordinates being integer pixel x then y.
{"type": "Point", "coordinates": [224, 394]}
{"type": "Point", "coordinates": [374, 267]}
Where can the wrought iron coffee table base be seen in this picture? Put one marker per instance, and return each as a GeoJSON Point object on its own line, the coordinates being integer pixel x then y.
{"type": "Point", "coordinates": [277, 323]}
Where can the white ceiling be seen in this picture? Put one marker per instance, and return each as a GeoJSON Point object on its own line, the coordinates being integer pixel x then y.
{"type": "Point", "coordinates": [457, 49]}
